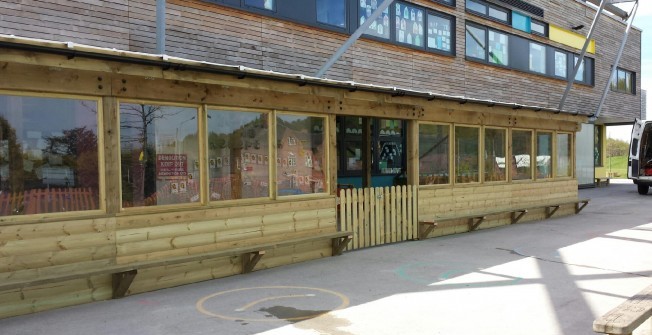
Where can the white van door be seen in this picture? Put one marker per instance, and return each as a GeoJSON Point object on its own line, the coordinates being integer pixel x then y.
{"type": "Point", "coordinates": [634, 149]}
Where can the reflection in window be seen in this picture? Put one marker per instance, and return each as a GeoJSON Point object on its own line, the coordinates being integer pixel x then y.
{"type": "Point", "coordinates": [158, 150]}
{"type": "Point", "coordinates": [467, 165]}
{"type": "Point", "coordinates": [238, 155]}
{"type": "Point", "coordinates": [439, 33]}
{"type": "Point", "coordinates": [475, 42]}
{"type": "Point", "coordinates": [560, 64]}
{"type": "Point", "coordinates": [623, 81]}
{"type": "Point", "coordinates": [544, 155]}
{"type": "Point", "coordinates": [331, 12]}
{"type": "Point", "coordinates": [409, 25]}
{"type": "Point", "coordinates": [538, 27]}
{"type": "Point", "coordinates": [537, 58]}
{"type": "Point", "coordinates": [580, 72]}
{"type": "Point", "coordinates": [498, 13]}
{"type": "Point", "coordinates": [390, 146]}
{"type": "Point", "coordinates": [495, 142]}
{"type": "Point", "coordinates": [521, 154]}
{"type": "Point", "coordinates": [597, 149]}
{"type": "Point", "coordinates": [301, 167]}
{"type": "Point", "coordinates": [48, 155]}
{"type": "Point", "coordinates": [378, 28]}
{"type": "Point", "coordinates": [264, 4]}
{"type": "Point", "coordinates": [498, 48]}
{"type": "Point", "coordinates": [476, 6]}
{"type": "Point", "coordinates": [433, 154]}
{"type": "Point", "coordinates": [564, 160]}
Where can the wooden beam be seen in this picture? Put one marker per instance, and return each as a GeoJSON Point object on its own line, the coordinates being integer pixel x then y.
{"type": "Point", "coordinates": [578, 207]}
{"type": "Point", "coordinates": [366, 152]}
{"type": "Point", "coordinates": [550, 210]}
{"type": "Point", "coordinates": [425, 228]}
{"type": "Point", "coordinates": [250, 259]}
{"type": "Point", "coordinates": [473, 224]}
{"type": "Point", "coordinates": [521, 213]}
{"type": "Point", "coordinates": [339, 243]}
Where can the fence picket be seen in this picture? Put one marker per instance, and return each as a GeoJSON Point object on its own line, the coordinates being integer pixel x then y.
{"type": "Point", "coordinates": [372, 216]}
{"type": "Point", "coordinates": [404, 224]}
{"type": "Point", "coordinates": [354, 213]}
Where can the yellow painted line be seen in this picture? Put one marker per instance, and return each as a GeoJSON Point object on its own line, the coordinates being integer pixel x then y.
{"type": "Point", "coordinates": [200, 303]}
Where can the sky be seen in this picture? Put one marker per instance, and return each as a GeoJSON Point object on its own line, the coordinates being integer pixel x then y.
{"type": "Point", "coordinates": [643, 20]}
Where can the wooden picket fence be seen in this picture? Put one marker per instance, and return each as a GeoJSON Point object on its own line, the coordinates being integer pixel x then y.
{"type": "Point", "coordinates": [52, 200]}
{"type": "Point", "coordinates": [379, 215]}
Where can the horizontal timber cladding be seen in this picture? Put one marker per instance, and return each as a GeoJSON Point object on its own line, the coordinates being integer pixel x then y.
{"type": "Point", "coordinates": [435, 202]}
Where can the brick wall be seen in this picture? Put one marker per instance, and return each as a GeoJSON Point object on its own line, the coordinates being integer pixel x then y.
{"type": "Point", "coordinates": [205, 31]}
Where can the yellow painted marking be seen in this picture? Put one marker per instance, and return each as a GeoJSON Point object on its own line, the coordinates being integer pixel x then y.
{"type": "Point", "coordinates": [200, 303]}
{"type": "Point", "coordinates": [247, 306]}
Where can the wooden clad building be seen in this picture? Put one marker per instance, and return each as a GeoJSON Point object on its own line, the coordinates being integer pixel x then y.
{"type": "Point", "coordinates": [124, 171]}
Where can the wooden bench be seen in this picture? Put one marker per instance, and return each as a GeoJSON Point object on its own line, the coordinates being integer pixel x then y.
{"type": "Point", "coordinates": [626, 317]}
{"type": "Point", "coordinates": [602, 181]}
{"type": "Point", "coordinates": [474, 220]}
{"type": "Point", "coordinates": [124, 274]}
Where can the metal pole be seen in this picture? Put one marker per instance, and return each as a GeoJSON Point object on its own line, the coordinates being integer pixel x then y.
{"type": "Point", "coordinates": [353, 38]}
{"type": "Point", "coordinates": [614, 68]}
{"type": "Point", "coordinates": [160, 27]}
{"type": "Point", "coordinates": [580, 59]}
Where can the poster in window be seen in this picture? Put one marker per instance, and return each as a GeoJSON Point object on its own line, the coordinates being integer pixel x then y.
{"type": "Point", "coordinates": [227, 161]}
{"type": "Point", "coordinates": [218, 162]}
{"type": "Point", "coordinates": [174, 188]}
{"type": "Point", "coordinates": [260, 159]}
{"type": "Point", "coordinates": [439, 33]}
{"type": "Point", "coordinates": [266, 160]}
{"type": "Point", "coordinates": [410, 31]}
{"type": "Point", "coordinates": [380, 26]}
{"type": "Point", "coordinates": [212, 163]}
{"type": "Point", "coordinates": [560, 64]}
{"type": "Point", "coordinates": [183, 187]}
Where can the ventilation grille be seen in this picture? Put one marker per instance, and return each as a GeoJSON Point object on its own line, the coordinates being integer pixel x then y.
{"type": "Point", "coordinates": [532, 9]}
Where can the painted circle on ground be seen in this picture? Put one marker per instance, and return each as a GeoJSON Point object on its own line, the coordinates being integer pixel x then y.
{"type": "Point", "coordinates": [244, 303]}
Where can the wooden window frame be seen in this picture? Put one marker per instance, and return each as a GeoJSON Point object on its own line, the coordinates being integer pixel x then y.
{"type": "Point", "coordinates": [449, 151]}
{"type": "Point", "coordinates": [454, 155]}
{"type": "Point", "coordinates": [511, 154]}
{"type": "Point", "coordinates": [482, 155]}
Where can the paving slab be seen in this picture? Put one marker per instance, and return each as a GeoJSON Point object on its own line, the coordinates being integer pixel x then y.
{"type": "Point", "coordinates": [546, 277]}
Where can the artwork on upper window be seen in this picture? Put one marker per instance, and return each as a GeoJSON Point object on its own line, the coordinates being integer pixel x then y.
{"type": "Point", "coordinates": [409, 25]}
{"type": "Point", "coordinates": [380, 26]}
{"type": "Point", "coordinates": [439, 33]}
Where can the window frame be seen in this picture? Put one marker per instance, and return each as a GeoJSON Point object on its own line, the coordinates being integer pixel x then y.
{"type": "Point", "coordinates": [453, 32]}
{"type": "Point", "coordinates": [614, 82]}
{"type": "Point", "coordinates": [552, 153]}
{"type": "Point", "coordinates": [449, 151]}
{"type": "Point", "coordinates": [487, 12]}
{"type": "Point", "coordinates": [486, 51]}
{"type": "Point", "coordinates": [483, 152]}
{"type": "Point", "coordinates": [511, 155]}
{"type": "Point", "coordinates": [571, 155]}
{"type": "Point", "coordinates": [539, 23]}
{"type": "Point", "coordinates": [455, 153]}
{"type": "Point", "coordinates": [545, 65]}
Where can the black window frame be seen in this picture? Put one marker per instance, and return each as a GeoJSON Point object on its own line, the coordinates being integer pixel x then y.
{"type": "Point", "coordinates": [346, 16]}
{"type": "Point", "coordinates": [486, 49]}
{"type": "Point", "coordinates": [486, 14]}
{"type": "Point", "coordinates": [273, 10]}
{"type": "Point", "coordinates": [541, 23]}
{"type": "Point", "coordinates": [450, 3]}
{"type": "Point", "coordinates": [453, 36]}
{"type": "Point", "coordinates": [632, 83]}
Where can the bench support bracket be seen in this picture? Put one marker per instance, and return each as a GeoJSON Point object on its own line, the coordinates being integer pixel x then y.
{"type": "Point", "coordinates": [475, 222]}
{"type": "Point", "coordinates": [425, 228]}
{"type": "Point", "coordinates": [516, 217]}
{"type": "Point", "coordinates": [121, 282]}
{"type": "Point", "coordinates": [579, 208]}
{"type": "Point", "coordinates": [250, 259]}
{"type": "Point", "coordinates": [339, 243]}
{"type": "Point", "coordinates": [550, 210]}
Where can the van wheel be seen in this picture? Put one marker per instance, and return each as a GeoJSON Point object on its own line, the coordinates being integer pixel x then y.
{"type": "Point", "coordinates": [642, 189]}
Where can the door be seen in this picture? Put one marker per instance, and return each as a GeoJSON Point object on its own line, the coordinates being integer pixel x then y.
{"type": "Point", "coordinates": [634, 149]}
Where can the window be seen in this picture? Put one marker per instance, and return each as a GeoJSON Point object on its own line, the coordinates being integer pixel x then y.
{"type": "Point", "coordinates": [434, 143]}
{"type": "Point", "coordinates": [447, 2]}
{"type": "Point", "coordinates": [561, 64]}
{"type": "Point", "coordinates": [495, 144]}
{"type": "Point", "coordinates": [476, 6]}
{"type": "Point", "coordinates": [264, 4]}
{"type": "Point", "coordinates": [539, 28]}
{"type": "Point", "coordinates": [467, 163]}
{"type": "Point", "coordinates": [579, 76]}
{"type": "Point", "coordinates": [537, 58]}
{"type": "Point", "coordinates": [521, 155]}
{"type": "Point", "coordinates": [564, 160]}
{"type": "Point", "coordinates": [302, 166]}
{"type": "Point", "coordinates": [544, 155]}
{"type": "Point", "coordinates": [597, 149]}
{"type": "Point", "coordinates": [440, 33]}
{"type": "Point", "coordinates": [48, 155]}
{"type": "Point", "coordinates": [498, 48]}
{"type": "Point", "coordinates": [499, 14]}
{"type": "Point", "coordinates": [409, 25]}
{"type": "Point", "coordinates": [623, 81]}
{"type": "Point", "coordinates": [475, 42]}
{"type": "Point", "coordinates": [378, 28]}
{"type": "Point", "coordinates": [238, 155]}
{"type": "Point", "coordinates": [157, 145]}
{"type": "Point", "coordinates": [521, 22]}
{"type": "Point", "coordinates": [331, 12]}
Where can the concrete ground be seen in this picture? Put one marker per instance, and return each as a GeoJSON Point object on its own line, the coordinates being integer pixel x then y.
{"type": "Point", "coordinates": [548, 277]}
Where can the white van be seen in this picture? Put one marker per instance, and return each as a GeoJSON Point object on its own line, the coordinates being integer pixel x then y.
{"type": "Point", "coordinates": [639, 167]}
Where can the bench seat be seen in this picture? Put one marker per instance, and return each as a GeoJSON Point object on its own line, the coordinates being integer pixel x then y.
{"type": "Point", "coordinates": [626, 317]}
{"type": "Point", "coordinates": [124, 274]}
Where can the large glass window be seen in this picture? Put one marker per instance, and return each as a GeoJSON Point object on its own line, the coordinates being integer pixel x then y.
{"type": "Point", "coordinates": [467, 163]}
{"type": "Point", "coordinates": [440, 33]}
{"type": "Point", "coordinates": [495, 144]}
{"type": "Point", "coordinates": [498, 13]}
{"type": "Point", "coordinates": [264, 4]}
{"type": "Point", "coordinates": [238, 155]}
{"type": "Point", "coordinates": [544, 155]}
{"type": "Point", "coordinates": [158, 150]}
{"type": "Point", "coordinates": [539, 28]}
{"type": "Point", "coordinates": [537, 58]}
{"type": "Point", "coordinates": [623, 81]}
{"type": "Point", "coordinates": [561, 64]}
{"type": "Point", "coordinates": [476, 6]}
{"type": "Point", "coordinates": [579, 76]}
{"type": "Point", "coordinates": [378, 28]}
{"type": "Point", "coordinates": [521, 155]}
{"type": "Point", "coordinates": [48, 155]}
{"type": "Point", "coordinates": [564, 159]}
{"type": "Point", "coordinates": [331, 12]}
{"type": "Point", "coordinates": [475, 42]}
{"type": "Point", "coordinates": [521, 22]}
{"type": "Point", "coordinates": [498, 48]}
{"type": "Point", "coordinates": [301, 154]}
{"type": "Point", "coordinates": [409, 24]}
{"type": "Point", "coordinates": [434, 164]}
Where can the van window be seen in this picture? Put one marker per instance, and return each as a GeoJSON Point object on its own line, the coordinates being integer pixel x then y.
{"type": "Point", "coordinates": [634, 147]}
